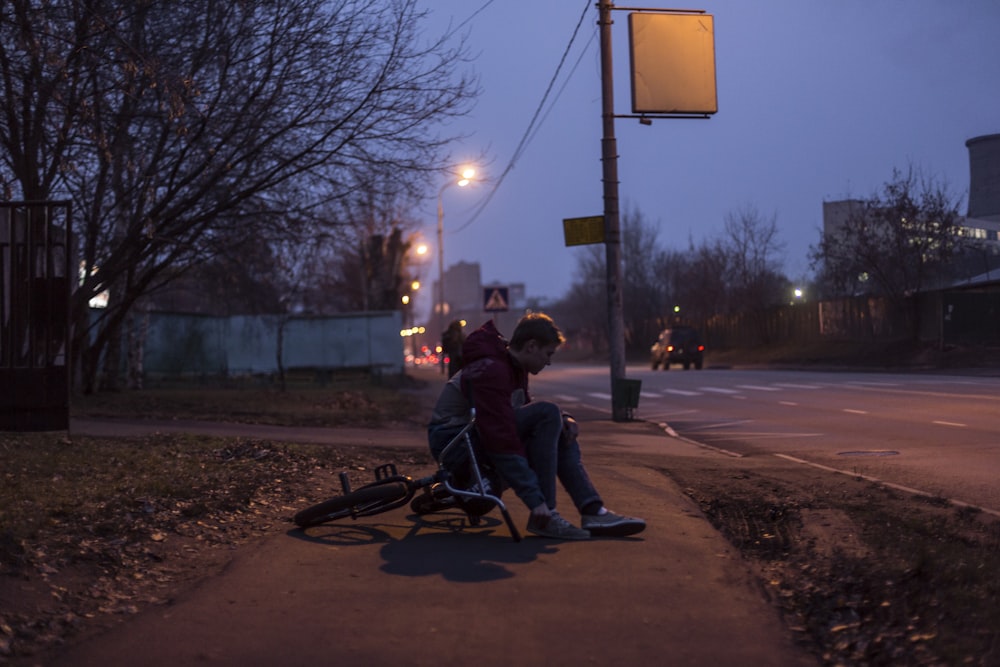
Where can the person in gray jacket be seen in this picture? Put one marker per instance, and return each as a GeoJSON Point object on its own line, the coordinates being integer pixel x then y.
{"type": "Point", "coordinates": [531, 444]}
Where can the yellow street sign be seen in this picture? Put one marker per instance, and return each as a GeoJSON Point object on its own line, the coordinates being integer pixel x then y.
{"type": "Point", "coordinates": [582, 231]}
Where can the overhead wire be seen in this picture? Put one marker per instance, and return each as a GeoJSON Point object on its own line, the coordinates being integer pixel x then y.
{"type": "Point", "coordinates": [535, 124]}
{"type": "Point", "coordinates": [470, 17]}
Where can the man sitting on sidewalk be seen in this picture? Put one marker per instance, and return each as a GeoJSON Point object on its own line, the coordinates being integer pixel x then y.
{"type": "Point", "coordinates": [529, 443]}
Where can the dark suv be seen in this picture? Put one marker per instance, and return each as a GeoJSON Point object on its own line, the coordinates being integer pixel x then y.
{"type": "Point", "coordinates": [678, 345]}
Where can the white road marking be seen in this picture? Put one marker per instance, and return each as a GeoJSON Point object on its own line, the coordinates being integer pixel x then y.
{"type": "Point", "coordinates": [891, 485]}
{"type": "Point", "coordinates": [723, 425]}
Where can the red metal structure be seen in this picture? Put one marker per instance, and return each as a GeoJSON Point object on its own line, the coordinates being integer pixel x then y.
{"type": "Point", "coordinates": [34, 316]}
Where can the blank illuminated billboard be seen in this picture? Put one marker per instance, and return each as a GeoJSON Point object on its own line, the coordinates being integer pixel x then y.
{"type": "Point", "coordinates": [673, 63]}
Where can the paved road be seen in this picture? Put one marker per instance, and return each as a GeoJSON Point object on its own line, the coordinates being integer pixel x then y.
{"type": "Point", "coordinates": [934, 433]}
{"type": "Point", "coordinates": [391, 590]}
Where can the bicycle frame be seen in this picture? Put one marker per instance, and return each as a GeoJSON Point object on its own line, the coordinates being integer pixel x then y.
{"type": "Point", "coordinates": [387, 474]}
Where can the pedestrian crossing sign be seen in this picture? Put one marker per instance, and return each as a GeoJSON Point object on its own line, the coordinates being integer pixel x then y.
{"type": "Point", "coordinates": [495, 299]}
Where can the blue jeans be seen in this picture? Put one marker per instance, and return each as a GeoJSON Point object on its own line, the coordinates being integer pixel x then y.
{"type": "Point", "coordinates": [553, 454]}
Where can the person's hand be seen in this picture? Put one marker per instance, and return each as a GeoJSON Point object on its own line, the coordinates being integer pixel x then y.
{"type": "Point", "coordinates": [541, 515]}
{"type": "Point", "coordinates": [570, 427]}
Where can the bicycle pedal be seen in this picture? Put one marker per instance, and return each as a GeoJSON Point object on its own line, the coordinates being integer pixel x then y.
{"type": "Point", "coordinates": [385, 471]}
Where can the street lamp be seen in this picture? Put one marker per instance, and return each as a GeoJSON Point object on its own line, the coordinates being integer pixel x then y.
{"type": "Point", "coordinates": [466, 178]}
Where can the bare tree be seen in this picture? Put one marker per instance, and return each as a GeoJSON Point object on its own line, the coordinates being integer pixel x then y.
{"type": "Point", "coordinates": [645, 289]}
{"type": "Point", "coordinates": [896, 243]}
{"type": "Point", "coordinates": [369, 264]}
{"type": "Point", "coordinates": [753, 251]}
{"type": "Point", "coordinates": [583, 311]}
{"type": "Point", "coordinates": [174, 126]}
{"type": "Point", "coordinates": [700, 284]}
{"type": "Point", "coordinates": [737, 273]}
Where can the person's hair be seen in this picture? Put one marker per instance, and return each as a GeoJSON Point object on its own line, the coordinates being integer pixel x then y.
{"type": "Point", "coordinates": [538, 327]}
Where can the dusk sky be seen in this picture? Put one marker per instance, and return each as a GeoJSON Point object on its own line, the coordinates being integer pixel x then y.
{"type": "Point", "coordinates": [818, 101]}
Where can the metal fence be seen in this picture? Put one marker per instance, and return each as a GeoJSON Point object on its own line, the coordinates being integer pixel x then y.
{"type": "Point", "coordinates": [951, 317]}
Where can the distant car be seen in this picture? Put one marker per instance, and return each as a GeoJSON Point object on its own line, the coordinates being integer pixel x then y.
{"type": "Point", "coordinates": [423, 357]}
{"type": "Point", "coordinates": [678, 345]}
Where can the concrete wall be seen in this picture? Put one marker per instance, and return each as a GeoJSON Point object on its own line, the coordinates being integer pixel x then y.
{"type": "Point", "coordinates": [179, 344]}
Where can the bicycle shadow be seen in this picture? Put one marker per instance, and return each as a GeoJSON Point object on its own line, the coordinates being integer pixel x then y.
{"type": "Point", "coordinates": [340, 534]}
{"type": "Point", "coordinates": [444, 545]}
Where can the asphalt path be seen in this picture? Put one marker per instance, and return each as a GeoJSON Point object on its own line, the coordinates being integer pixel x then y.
{"type": "Point", "coordinates": [395, 589]}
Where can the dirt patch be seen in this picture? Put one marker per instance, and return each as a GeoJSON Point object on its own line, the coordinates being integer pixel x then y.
{"type": "Point", "coordinates": [863, 575]}
{"type": "Point", "coordinates": [94, 531]}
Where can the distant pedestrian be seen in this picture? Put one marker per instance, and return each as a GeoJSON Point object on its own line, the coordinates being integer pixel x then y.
{"type": "Point", "coordinates": [451, 344]}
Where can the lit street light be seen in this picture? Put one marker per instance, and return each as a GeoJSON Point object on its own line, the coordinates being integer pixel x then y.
{"type": "Point", "coordinates": [466, 178]}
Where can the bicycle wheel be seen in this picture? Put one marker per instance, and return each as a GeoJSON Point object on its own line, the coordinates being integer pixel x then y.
{"type": "Point", "coordinates": [367, 500]}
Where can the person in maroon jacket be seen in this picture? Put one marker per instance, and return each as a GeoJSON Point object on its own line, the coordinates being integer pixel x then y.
{"type": "Point", "coordinates": [530, 443]}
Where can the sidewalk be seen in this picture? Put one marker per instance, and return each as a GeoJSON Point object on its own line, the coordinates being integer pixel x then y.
{"type": "Point", "coordinates": [394, 590]}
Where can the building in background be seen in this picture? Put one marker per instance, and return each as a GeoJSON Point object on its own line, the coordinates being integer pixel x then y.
{"type": "Point", "coordinates": [464, 294]}
{"type": "Point", "coordinates": [982, 218]}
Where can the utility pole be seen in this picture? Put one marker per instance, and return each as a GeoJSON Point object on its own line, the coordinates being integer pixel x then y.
{"type": "Point", "coordinates": [612, 224]}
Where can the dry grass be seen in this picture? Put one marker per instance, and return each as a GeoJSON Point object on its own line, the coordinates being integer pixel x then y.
{"type": "Point", "coordinates": [863, 575]}
{"type": "Point", "coordinates": [94, 529]}
{"type": "Point", "coordinates": [346, 399]}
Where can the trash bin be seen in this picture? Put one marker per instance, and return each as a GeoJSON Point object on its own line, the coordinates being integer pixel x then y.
{"type": "Point", "coordinates": [625, 396]}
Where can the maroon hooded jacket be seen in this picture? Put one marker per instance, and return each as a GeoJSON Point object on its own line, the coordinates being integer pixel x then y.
{"type": "Point", "coordinates": [493, 383]}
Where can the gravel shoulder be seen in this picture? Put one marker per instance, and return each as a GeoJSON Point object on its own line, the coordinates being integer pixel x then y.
{"type": "Point", "coordinates": [863, 574]}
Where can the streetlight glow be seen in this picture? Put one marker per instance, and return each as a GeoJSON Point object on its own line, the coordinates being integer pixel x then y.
{"type": "Point", "coordinates": [467, 176]}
